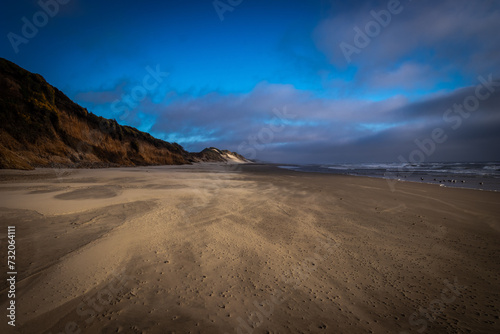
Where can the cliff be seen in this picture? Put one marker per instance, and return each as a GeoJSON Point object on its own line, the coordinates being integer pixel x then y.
{"type": "Point", "coordinates": [42, 127]}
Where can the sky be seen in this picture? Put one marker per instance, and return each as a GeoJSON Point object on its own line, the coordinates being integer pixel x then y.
{"type": "Point", "coordinates": [311, 81]}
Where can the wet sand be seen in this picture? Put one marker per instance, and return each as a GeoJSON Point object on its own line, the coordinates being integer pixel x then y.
{"type": "Point", "coordinates": [249, 249]}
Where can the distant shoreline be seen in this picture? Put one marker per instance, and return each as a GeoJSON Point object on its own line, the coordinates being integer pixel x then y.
{"type": "Point", "coordinates": [57, 171]}
{"type": "Point", "coordinates": [450, 180]}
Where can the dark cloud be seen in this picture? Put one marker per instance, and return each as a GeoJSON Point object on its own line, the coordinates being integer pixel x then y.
{"type": "Point", "coordinates": [444, 37]}
{"type": "Point", "coordinates": [319, 130]}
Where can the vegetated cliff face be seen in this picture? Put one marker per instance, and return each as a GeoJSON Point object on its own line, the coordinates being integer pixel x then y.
{"type": "Point", "coordinates": [42, 127]}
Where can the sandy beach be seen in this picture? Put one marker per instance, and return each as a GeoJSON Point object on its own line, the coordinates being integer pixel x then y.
{"type": "Point", "coordinates": [212, 248]}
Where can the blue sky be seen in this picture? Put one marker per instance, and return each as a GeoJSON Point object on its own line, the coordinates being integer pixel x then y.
{"type": "Point", "coordinates": [312, 81]}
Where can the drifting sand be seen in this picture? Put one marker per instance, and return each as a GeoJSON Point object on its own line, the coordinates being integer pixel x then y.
{"type": "Point", "coordinates": [215, 249]}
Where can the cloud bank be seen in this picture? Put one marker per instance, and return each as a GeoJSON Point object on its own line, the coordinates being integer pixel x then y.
{"type": "Point", "coordinates": [398, 92]}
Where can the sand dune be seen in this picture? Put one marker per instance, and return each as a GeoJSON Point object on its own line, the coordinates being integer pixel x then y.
{"type": "Point", "coordinates": [247, 249]}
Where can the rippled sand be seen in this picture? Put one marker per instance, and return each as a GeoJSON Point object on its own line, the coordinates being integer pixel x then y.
{"type": "Point", "coordinates": [247, 249]}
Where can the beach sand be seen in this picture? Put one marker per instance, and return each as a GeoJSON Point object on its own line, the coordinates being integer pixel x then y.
{"type": "Point", "coordinates": [249, 249]}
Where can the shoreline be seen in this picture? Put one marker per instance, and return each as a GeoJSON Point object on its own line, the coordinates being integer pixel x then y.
{"type": "Point", "coordinates": [63, 169]}
{"type": "Point", "coordinates": [414, 180]}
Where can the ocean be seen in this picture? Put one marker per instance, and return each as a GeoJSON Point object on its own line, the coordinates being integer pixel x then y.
{"type": "Point", "coordinates": [474, 175]}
